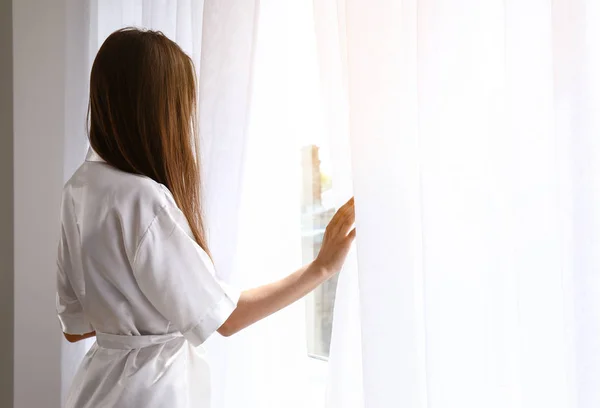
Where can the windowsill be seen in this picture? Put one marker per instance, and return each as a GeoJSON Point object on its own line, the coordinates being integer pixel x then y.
{"type": "Point", "coordinates": [318, 357]}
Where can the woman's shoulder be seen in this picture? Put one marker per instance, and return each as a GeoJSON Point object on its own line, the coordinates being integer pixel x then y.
{"type": "Point", "coordinates": [122, 192]}
{"type": "Point", "coordinates": [141, 192]}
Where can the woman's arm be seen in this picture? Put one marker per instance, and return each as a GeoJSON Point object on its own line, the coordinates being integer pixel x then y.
{"type": "Point", "coordinates": [74, 338]}
{"type": "Point", "coordinates": [258, 303]}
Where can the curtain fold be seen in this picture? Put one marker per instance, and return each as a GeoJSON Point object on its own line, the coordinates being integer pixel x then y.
{"type": "Point", "coordinates": [382, 89]}
{"type": "Point", "coordinates": [345, 370]}
{"type": "Point", "coordinates": [225, 78]}
{"type": "Point", "coordinates": [224, 85]}
{"type": "Point", "coordinates": [472, 131]}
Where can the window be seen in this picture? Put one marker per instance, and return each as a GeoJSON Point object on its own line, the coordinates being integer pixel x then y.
{"type": "Point", "coordinates": [288, 202]}
{"type": "Point", "coordinates": [316, 211]}
{"type": "Point", "coordinates": [288, 140]}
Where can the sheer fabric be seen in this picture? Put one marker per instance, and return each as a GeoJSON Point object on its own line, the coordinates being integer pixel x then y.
{"type": "Point", "coordinates": [473, 130]}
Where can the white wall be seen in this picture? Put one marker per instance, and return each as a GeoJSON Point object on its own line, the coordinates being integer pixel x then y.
{"type": "Point", "coordinates": [42, 47]}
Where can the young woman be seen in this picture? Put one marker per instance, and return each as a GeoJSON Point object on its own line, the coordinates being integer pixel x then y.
{"type": "Point", "coordinates": [133, 264]}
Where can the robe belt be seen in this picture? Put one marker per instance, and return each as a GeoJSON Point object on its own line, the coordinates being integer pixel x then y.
{"type": "Point", "coordinates": [130, 342]}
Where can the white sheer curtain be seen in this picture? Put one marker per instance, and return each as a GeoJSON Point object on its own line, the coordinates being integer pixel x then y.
{"type": "Point", "coordinates": [474, 141]}
{"type": "Point", "coordinates": [467, 131]}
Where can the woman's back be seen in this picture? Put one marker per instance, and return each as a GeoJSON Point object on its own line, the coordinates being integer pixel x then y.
{"type": "Point", "coordinates": [104, 214]}
{"type": "Point", "coordinates": [130, 270]}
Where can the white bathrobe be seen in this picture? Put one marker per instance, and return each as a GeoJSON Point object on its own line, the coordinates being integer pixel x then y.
{"type": "Point", "coordinates": [129, 268]}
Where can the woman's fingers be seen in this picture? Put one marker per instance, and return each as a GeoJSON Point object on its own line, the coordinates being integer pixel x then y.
{"type": "Point", "coordinates": [348, 222]}
{"type": "Point", "coordinates": [344, 218]}
{"type": "Point", "coordinates": [352, 234]}
{"type": "Point", "coordinates": [348, 205]}
{"type": "Point", "coordinates": [335, 220]}
{"type": "Point", "coordinates": [338, 237]}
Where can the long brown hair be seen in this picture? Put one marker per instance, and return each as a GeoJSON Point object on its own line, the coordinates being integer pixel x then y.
{"type": "Point", "coordinates": [142, 115]}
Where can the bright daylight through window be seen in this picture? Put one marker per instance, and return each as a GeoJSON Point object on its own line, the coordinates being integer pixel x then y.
{"type": "Point", "coordinates": [288, 197]}
{"type": "Point", "coordinates": [317, 209]}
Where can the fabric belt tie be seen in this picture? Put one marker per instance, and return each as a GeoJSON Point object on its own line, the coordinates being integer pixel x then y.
{"type": "Point", "coordinates": [128, 342]}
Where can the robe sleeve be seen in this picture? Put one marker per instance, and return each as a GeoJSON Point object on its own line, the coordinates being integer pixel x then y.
{"type": "Point", "coordinates": [68, 307]}
{"type": "Point", "coordinates": [178, 278]}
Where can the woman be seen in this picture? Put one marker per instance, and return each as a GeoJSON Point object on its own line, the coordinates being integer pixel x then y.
{"type": "Point", "coordinates": [133, 264]}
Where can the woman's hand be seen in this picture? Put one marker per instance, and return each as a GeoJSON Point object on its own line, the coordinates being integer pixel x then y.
{"type": "Point", "coordinates": [74, 338]}
{"type": "Point", "coordinates": [338, 238]}
{"type": "Point", "coordinates": [258, 303]}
